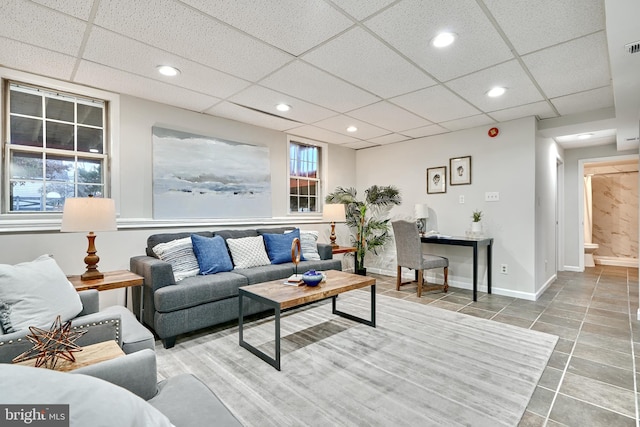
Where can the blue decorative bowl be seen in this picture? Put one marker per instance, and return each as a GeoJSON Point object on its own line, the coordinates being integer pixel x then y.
{"type": "Point", "coordinates": [312, 278]}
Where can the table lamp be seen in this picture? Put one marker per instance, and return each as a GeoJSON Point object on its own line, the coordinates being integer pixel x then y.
{"type": "Point", "coordinates": [333, 212]}
{"type": "Point", "coordinates": [422, 213]}
{"type": "Point", "coordinates": [89, 214]}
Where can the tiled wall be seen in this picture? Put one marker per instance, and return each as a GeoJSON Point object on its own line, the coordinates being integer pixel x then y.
{"type": "Point", "coordinates": [615, 214]}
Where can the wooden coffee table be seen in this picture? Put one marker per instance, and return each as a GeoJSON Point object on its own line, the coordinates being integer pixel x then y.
{"type": "Point", "coordinates": [277, 295]}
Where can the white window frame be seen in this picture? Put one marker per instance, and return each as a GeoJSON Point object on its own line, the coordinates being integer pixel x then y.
{"type": "Point", "coordinates": [44, 220]}
{"type": "Point", "coordinates": [322, 171]}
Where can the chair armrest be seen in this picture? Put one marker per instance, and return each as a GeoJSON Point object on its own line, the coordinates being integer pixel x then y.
{"type": "Point", "coordinates": [157, 273]}
{"type": "Point", "coordinates": [325, 251]}
{"type": "Point", "coordinates": [90, 302]}
{"type": "Point", "coordinates": [136, 372]}
{"type": "Point", "coordinates": [101, 327]}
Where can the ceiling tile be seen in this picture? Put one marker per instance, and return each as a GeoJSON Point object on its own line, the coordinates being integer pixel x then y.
{"type": "Point", "coordinates": [571, 67]}
{"type": "Point", "coordinates": [122, 82]}
{"type": "Point", "coordinates": [34, 24]}
{"type": "Point", "coordinates": [541, 109]}
{"type": "Point", "coordinates": [468, 122]}
{"type": "Point", "coordinates": [266, 99]}
{"type": "Point", "coordinates": [245, 115]}
{"type": "Point", "coordinates": [510, 75]}
{"type": "Point", "coordinates": [34, 59]}
{"type": "Point", "coordinates": [179, 29]}
{"type": "Point", "coordinates": [359, 145]}
{"type": "Point", "coordinates": [584, 101]}
{"type": "Point", "coordinates": [291, 25]}
{"type": "Point", "coordinates": [410, 25]}
{"type": "Point", "coordinates": [117, 51]}
{"type": "Point", "coordinates": [387, 73]}
{"type": "Point", "coordinates": [425, 131]}
{"type": "Point", "coordinates": [339, 124]}
{"type": "Point", "coordinates": [319, 134]}
{"type": "Point", "coordinates": [79, 8]}
{"type": "Point", "coordinates": [388, 139]}
{"type": "Point", "coordinates": [361, 9]}
{"type": "Point", "coordinates": [307, 82]}
{"type": "Point", "coordinates": [389, 116]}
{"type": "Point", "coordinates": [532, 25]}
{"type": "Point", "coordinates": [436, 104]}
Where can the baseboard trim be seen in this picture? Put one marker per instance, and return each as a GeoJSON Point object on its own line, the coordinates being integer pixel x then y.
{"type": "Point", "coordinates": [616, 261]}
{"type": "Point", "coordinates": [573, 268]}
{"type": "Point", "coordinates": [548, 283]}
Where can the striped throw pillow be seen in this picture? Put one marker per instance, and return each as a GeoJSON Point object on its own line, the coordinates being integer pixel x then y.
{"type": "Point", "coordinates": [178, 253]}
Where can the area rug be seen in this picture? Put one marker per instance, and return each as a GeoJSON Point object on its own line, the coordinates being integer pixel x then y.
{"type": "Point", "coordinates": [421, 366]}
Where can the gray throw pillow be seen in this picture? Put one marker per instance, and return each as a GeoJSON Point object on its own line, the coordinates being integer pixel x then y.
{"type": "Point", "coordinates": [34, 293]}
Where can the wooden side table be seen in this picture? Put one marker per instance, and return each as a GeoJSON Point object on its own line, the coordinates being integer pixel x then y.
{"type": "Point", "coordinates": [90, 355]}
{"type": "Point", "coordinates": [111, 280]}
{"type": "Point", "coordinates": [342, 250]}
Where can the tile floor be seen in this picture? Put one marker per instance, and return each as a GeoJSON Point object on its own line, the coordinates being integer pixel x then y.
{"type": "Point", "coordinates": [592, 377]}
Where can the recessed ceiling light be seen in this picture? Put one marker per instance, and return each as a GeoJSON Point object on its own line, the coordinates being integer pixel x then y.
{"type": "Point", "coordinates": [167, 70]}
{"type": "Point", "coordinates": [585, 136]}
{"type": "Point", "coordinates": [496, 91]}
{"type": "Point", "coordinates": [352, 129]}
{"type": "Point", "coordinates": [283, 107]}
{"type": "Point", "coordinates": [443, 39]}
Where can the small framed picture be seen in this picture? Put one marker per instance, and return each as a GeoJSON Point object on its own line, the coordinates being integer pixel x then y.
{"type": "Point", "coordinates": [436, 180]}
{"type": "Point", "coordinates": [460, 170]}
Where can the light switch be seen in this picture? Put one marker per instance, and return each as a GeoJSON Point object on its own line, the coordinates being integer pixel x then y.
{"type": "Point", "coordinates": [492, 196]}
{"type": "Point", "coordinates": [461, 199]}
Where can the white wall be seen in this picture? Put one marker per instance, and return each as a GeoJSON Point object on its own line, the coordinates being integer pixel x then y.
{"type": "Point", "coordinates": [573, 230]}
{"type": "Point", "coordinates": [505, 164]}
{"type": "Point", "coordinates": [545, 206]}
{"type": "Point", "coordinates": [135, 221]}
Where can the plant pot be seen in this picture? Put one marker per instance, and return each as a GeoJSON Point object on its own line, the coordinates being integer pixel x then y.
{"type": "Point", "coordinates": [361, 271]}
{"type": "Point", "coordinates": [476, 227]}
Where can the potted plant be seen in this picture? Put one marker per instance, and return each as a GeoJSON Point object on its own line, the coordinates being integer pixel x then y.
{"type": "Point", "coordinates": [369, 230]}
{"type": "Point", "coordinates": [476, 225]}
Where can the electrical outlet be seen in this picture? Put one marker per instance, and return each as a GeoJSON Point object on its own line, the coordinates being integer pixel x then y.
{"type": "Point", "coordinates": [461, 199]}
{"type": "Point", "coordinates": [504, 269]}
{"type": "Point", "coordinates": [492, 196]}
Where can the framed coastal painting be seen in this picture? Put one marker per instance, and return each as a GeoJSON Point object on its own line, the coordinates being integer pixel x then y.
{"type": "Point", "coordinates": [197, 176]}
{"type": "Point", "coordinates": [436, 180]}
{"type": "Point", "coordinates": [460, 170]}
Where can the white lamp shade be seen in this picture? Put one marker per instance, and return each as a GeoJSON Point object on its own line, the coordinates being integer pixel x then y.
{"type": "Point", "coordinates": [334, 212]}
{"type": "Point", "coordinates": [422, 211]}
{"type": "Point", "coordinates": [89, 214]}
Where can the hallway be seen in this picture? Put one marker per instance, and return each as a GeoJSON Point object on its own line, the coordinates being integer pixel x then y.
{"type": "Point", "coordinates": [592, 377]}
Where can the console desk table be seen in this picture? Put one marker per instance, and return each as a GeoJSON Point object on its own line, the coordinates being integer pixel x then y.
{"type": "Point", "coordinates": [475, 243]}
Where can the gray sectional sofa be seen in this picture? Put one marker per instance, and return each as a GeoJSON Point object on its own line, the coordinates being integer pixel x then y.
{"type": "Point", "coordinates": [172, 308]}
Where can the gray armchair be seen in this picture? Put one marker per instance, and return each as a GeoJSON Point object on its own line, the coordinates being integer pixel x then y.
{"type": "Point", "coordinates": [113, 323]}
{"type": "Point", "coordinates": [94, 399]}
{"type": "Point", "coordinates": [409, 254]}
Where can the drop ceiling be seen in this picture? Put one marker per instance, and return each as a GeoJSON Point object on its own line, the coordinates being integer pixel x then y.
{"type": "Point", "coordinates": [341, 63]}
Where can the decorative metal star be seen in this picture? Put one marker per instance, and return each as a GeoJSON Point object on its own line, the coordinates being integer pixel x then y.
{"type": "Point", "coordinates": [49, 346]}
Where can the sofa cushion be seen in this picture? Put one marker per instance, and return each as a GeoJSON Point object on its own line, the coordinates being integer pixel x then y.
{"type": "Point", "coordinates": [267, 273]}
{"type": "Point", "coordinates": [198, 290]}
{"type": "Point", "coordinates": [235, 234]}
{"type": "Point", "coordinates": [178, 253]}
{"type": "Point", "coordinates": [274, 230]}
{"type": "Point", "coordinates": [279, 246]}
{"type": "Point", "coordinates": [154, 239]}
{"type": "Point", "coordinates": [248, 252]}
{"type": "Point", "coordinates": [309, 245]}
{"type": "Point", "coordinates": [212, 254]}
{"type": "Point", "coordinates": [320, 265]}
{"type": "Point", "coordinates": [34, 293]}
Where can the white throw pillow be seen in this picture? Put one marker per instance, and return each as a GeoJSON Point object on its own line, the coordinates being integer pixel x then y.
{"type": "Point", "coordinates": [34, 293]}
{"type": "Point", "coordinates": [308, 244]}
{"type": "Point", "coordinates": [179, 253]}
{"type": "Point", "coordinates": [248, 252]}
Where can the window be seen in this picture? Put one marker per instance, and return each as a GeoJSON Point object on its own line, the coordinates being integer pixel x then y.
{"type": "Point", "coordinates": [304, 177]}
{"type": "Point", "coordinates": [56, 148]}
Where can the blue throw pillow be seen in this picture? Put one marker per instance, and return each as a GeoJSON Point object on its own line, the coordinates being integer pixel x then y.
{"type": "Point", "coordinates": [279, 246]}
{"type": "Point", "coordinates": [211, 253]}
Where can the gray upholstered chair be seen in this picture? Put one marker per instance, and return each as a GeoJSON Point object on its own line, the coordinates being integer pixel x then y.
{"type": "Point", "coordinates": [409, 254]}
